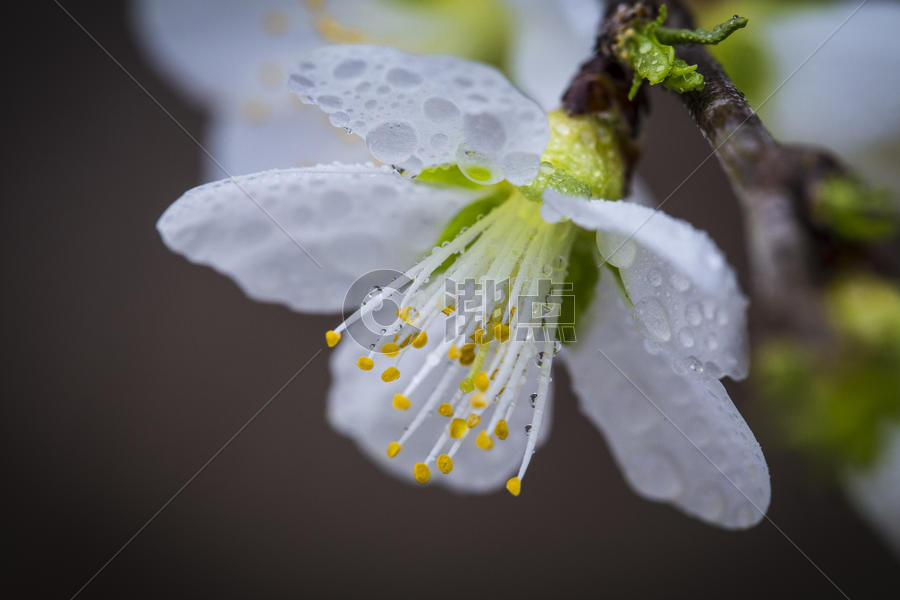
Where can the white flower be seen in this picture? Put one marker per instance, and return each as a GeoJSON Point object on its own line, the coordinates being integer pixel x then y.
{"type": "Point", "coordinates": [646, 367]}
{"type": "Point", "coordinates": [233, 56]}
{"type": "Point", "coordinates": [876, 490]}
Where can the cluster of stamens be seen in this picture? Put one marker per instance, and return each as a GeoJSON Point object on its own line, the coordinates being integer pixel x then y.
{"type": "Point", "coordinates": [489, 353]}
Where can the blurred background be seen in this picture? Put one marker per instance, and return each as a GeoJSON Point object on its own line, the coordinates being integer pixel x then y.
{"type": "Point", "coordinates": [126, 369]}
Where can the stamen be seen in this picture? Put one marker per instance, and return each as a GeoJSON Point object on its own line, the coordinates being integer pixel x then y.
{"type": "Point", "coordinates": [512, 245]}
{"type": "Point", "coordinates": [332, 338]}
{"type": "Point", "coordinates": [401, 402]}
{"type": "Point", "coordinates": [390, 374]}
{"type": "Point", "coordinates": [444, 464]}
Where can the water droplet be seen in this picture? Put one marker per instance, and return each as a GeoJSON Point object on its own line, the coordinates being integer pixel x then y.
{"type": "Point", "coordinates": [655, 474]}
{"type": "Point", "coordinates": [686, 338]}
{"type": "Point", "coordinates": [349, 69]}
{"type": "Point", "coordinates": [654, 278]}
{"type": "Point", "coordinates": [547, 270]}
{"type": "Point", "coordinates": [392, 142]}
{"type": "Point", "coordinates": [712, 342]}
{"type": "Point", "coordinates": [618, 250]}
{"type": "Point", "coordinates": [560, 263]}
{"type": "Point", "coordinates": [693, 314]}
{"type": "Point", "coordinates": [528, 429]}
{"type": "Point", "coordinates": [680, 282]}
{"type": "Point", "coordinates": [440, 109]}
{"type": "Point", "coordinates": [403, 78]}
{"type": "Point", "coordinates": [533, 397]}
{"type": "Point", "coordinates": [654, 318]}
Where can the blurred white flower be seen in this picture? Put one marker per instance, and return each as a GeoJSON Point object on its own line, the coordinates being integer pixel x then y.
{"type": "Point", "coordinates": [233, 56]}
{"type": "Point", "coordinates": [844, 97]}
{"type": "Point", "coordinates": [667, 310]}
{"type": "Point", "coordinates": [876, 491]}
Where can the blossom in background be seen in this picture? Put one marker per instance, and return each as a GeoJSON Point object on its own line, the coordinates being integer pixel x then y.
{"type": "Point", "coordinates": [843, 398]}
{"type": "Point", "coordinates": [233, 57]}
{"type": "Point", "coordinates": [486, 187]}
{"type": "Point", "coordinates": [844, 97]}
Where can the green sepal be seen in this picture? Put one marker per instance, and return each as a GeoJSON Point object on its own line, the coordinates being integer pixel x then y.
{"type": "Point", "coordinates": [582, 275]}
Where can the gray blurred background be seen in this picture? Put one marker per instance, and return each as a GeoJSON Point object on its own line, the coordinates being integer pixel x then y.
{"type": "Point", "coordinates": [126, 369]}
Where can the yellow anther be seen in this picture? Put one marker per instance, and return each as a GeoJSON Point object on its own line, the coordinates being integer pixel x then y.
{"type": "Point", "coordinates": [406, 341]}
{"type": "Point", "coordinates": [482, 382]}
{"type": "Point", "coordinates": [494, 374]}
{"type": "Point", "coordinates": [332, 338]}
{"type": "Point", "coordinates": [484, 441]}
{"type": "Point", "coordinates": [390, 349]}
{"type": "Point", "coordinates": [444, 464]}
{"type": "Point", "coordinates": [365, 363]}
{"type": "Point", "coordinates": [454, 352]}
{"type": "Point", "coordinates": [422, 473]}
{"type": "Point", "coordinates": [466, 358]}
{"type": "Point", "coordinates": [466, 385]}
{"type": "Point", "coordinates": [390, 374]}
{"type": "Point", "coordinates": [458, 428]}
{"type": "Point", "coordinates": [512, 311]}
{"type": "Point", "coordinates": [448, 310]}
{"type": "Point", "coordinates": [445, 410]}
{"type": "Point", "coordinates": [513, 486]}
{"type": "Point", "coordinates": [394, 449]}
{"type": "Point", "coordinates": [478, 336]}
{"type": "Point", "coordinates": [420, 340]}
{"type": "Point", "coordinates": [400, 402]}
{"type": "Point", "coordinates": [478, 400]}
{"type": "Point", "coordinates": [501, 430]}
{"type": "Point", "coordinates": [468, 349]}
{"type": "Point", "coordinates": [473, 421]}
{"type": "Point", "coordinates": [501, 332]}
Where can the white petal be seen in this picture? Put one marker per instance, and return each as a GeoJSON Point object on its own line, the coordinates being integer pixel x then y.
{"type": "Point", "coordinates": [213, 48]}
{"type": "Point", "coordinates": [359, 406]}
{"type": "Point", "coordinates": [689, 446]}
{"type": "Point", "coordinates": [420, 111]}
{"type": "Point", "coordinates": [302, 236]}
{"type": "Point", "coordinates": [684, 292]}
{"type": "Point", "coordinates": [551, 40]}
{"type": "Point", "coordinates": [291, 135]}
{"type": "Point", "coordinates": [876, 491]}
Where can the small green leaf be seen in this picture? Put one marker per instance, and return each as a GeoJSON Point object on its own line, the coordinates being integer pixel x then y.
{"type": "Point", "coordinates": [721, 31]}
{"type": "Point", "coordinates": [684, 78]}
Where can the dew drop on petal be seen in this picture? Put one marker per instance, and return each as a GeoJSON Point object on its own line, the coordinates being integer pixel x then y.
{"type": "Point", "coordinates": [654, 318]}
{"type": "Point", "coordinates": [392, 142]}
{"type": "Point", "coordinates": [693, 313]}
{"type": "Point", "coordinates": [616, 249]}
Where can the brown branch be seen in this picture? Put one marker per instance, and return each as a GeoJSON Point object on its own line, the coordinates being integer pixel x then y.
{"type": "Point", "coordinates": [778, 185]}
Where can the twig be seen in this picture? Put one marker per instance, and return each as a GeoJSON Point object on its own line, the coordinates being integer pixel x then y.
{"type": "Point", "coordinates": [778, 185]}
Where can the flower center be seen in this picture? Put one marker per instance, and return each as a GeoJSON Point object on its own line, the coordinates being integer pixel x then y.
{"type": "Point", "coordinates": [496, 289]}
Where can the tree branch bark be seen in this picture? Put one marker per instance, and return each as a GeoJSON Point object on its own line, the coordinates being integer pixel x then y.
{"type": "Point", "coordinates": [777, 184]}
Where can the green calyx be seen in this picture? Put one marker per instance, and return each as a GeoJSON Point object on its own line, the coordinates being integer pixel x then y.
{"type": "Point", "coordinates": [649, 48]}
{"type": "Point", "coordinates": [583, 158]}
{"type": "Point", "coordinates": [835, 402]}
{"type": "Point", "coordinates": [855, 211]}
